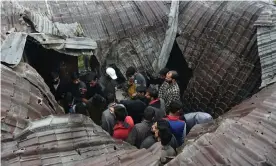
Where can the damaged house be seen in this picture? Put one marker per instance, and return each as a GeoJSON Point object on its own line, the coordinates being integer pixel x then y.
{"type": "Point", "coordinates": [224, 52]}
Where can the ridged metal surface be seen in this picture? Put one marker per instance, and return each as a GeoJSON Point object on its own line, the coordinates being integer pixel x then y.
{"type": "Point", "coordinates": [70, 140]}
{"type": "Point", "coordinates": [13, 47]}
{"type": "Point", "coordinates": [246, 135]}
{"type": "Point", "coordinates": [266, 31]}
{"type": "Point", "coordinates": [24, 97]}
{"type": "Point", "coordinates": [219, 40]}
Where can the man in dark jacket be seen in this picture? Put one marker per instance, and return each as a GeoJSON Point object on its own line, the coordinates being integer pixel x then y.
{"type": "Point", "coordinates": [108, 118]}
{"type": "Point", "coordinates": [159, 104]}
{"type": "Point", "coordinates": [108, 83]}
{"type": "Point", "coordinates": [59, 86]}
{"type": "Point", "coordinates": [77, 90]}
{"type": "Point", "coordinates": [150, 140]}
{"type": "Point", "coordinates": [136, 107]}
{"type": "Point", "coordinates": [161, 78]}
{"type": "Point", "coordinates": [93, 87]}
{"type": "Point", "coordinates": [141, 130]}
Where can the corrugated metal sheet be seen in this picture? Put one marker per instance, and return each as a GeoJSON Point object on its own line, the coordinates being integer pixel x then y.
{"type": "Point", "coordinates": [245, 135]}
{"type": "Point", "coordinates": [218, 39]}
{"type": "Point", "coordinates": [266, 31]}
{"type": "Point", "coordinates": [24, 97]}
{"type": "Point", "coordinates": [102, 20]}
{"type": "Point", "coordinates": [13, 47]}
{"type": "Point", "coordinates": [70, 140]}
{"type": "Point", "coordinates": [74, 46]}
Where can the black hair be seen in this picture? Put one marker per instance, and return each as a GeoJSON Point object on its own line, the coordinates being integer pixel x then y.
{"type": "Point", "coordinates": [110, 98]}
{"type": "Point", "coordinates": [153, 92]}
{"type": "Point", "coordinates": [120, 113]}
{"type": "Point", "coordinates": [164, 71]}
{"type": "Point", "coordinates": [175, 106]}
{"type": "Point", "coordinates": [149, 113]}
{"type": "Point", "coordinates": [74, 76]}
{"type": "Point", "coordinates": [91, 76]}
{"type": "Point", "coordinates": [80, 108]}
{"type": "Point", "coordinates": [165, 135]}
{"type": "Point", "coordinates": [174, 74]}
{"type": "Point", "coordinates": [162, 124]}
{"type": "Point", "coordinates": [141, 89]}
{"type": "Point", "coordinates": [54, 75]}
{"type": "Point", "coordinates": [130, 71]}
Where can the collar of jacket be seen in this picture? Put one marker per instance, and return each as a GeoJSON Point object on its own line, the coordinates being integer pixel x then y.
{"type": "Point", "coordinates": [154, 101]}
{"type": "Point", "coordinates": [172, 118]}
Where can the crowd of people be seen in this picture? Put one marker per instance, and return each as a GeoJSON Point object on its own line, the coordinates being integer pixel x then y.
{"type": "Point", "coordinates": [150, 117]}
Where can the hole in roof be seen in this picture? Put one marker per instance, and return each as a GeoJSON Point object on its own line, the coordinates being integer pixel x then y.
{"type": "Point", "coordinates": [115, 148]}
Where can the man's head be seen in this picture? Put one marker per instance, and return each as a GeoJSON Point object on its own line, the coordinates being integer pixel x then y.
{"type": "Point", "coordinates": [141, 90]}
{"type": "Point", "coordinates": [120, 112]}
{"type": "Point", "coordinates": [75, 78]}
{"type": "Point", "coordinates": [130, 72]}
{"type": "Point", "coordinates": [163, 72]}
{"type": "Point", "coordinates": [149, 113]}
{"type": "Point", "coordinates": [111, 73]}
{"type": "Point", "coordinates": [152, 94]}
{"type": "Point", "coordinates": [55, 78]}
{"type": "Point", "coordinates": [165, 135]}
{"type": "Point", "coordinates": [111, 98]}
{"type": "Point", "coordinates": [159, 125]}
{"type": "Point", "coordinates": [175, 106]}
{"type": "Point", "coordinates": [92, 79]}
{"type": "Point", "coordinates": [171, 76]}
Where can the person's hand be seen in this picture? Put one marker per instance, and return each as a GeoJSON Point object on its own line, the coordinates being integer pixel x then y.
{"type": "Point", "coordinates": [84, 100]}
{"type": "Point", "coordinates": [134, 94]}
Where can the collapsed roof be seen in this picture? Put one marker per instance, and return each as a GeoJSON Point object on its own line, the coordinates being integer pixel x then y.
{"type": "Point", "coordinates": [31, 134]}
{"type": "Point", "coordinates": [229, 45]}
{"type": "Point", "coordinates": [217, 39]}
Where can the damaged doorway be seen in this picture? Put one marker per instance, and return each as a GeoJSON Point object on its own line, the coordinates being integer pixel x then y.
{"type": "Point", "coordinates": [46, 61]}
{"type": "Point", "coordinates": [177, 62]}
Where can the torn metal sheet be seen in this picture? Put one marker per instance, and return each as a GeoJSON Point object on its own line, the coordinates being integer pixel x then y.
{"type": "Point", "coordinates": [245, 135]}
{"type": "Point", "coordinates": [24, 97]}
{"type": "Point", "coordinates": [13, 47]}
{"type": "Point", "coordinates": [218, 40]}
{"type": "Point", "coordinates": [70, 140]}
{"type": "Point", "coordinates": [266, 37]}
{"type": "Point", "coordinates": [169, 36]}
{"type": "Point", "coordinates": [74, 46]}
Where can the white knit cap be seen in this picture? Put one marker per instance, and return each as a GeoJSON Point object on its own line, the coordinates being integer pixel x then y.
{"type": "Point", "coordinates": [111, 72]}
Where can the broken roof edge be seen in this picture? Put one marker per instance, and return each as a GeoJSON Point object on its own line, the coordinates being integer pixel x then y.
{"type": "Point", "coordinates": [73, 46]}
{"type": "Point", "coordinates": [13, 46]}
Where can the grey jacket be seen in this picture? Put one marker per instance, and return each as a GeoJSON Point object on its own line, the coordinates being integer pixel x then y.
{"type": "Point", "coordinates": [150, 140]}
{"type": "Point", "coordinates": [108, 121]}
{"type": "Point", "coordinates": [194, 118]}
{"type": "Point", "coordinates": [139, 132]}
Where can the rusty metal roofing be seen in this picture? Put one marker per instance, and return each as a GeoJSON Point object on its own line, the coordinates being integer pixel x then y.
{"type": "Point", "coordinates": [246, 135]}
{"type": "Point", "coordinates": [70, 140]}
{"type": "Point", "coordinates": [219, 40]}
{"type": "Point", "coordinates": [24, 97]}
{"type": "Point", "coordinates": [266, 31]}
{"type": "Point", "coordinates": [13, 47]}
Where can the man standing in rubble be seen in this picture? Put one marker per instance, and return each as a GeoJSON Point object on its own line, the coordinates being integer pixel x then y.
{"type": "Point", "coordinates": [108, 82]}
{"type": "Point", "coordinates": [169, 90]}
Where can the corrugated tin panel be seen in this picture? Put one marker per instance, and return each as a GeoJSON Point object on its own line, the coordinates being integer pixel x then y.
{"type": "Point", "coordinates": [70, 140]}
{"type": "Point", "coordinates": [24, 97]}
{"type": "Point", "coordinates": [13, 47]}
{"type": "Point", "coordinates": [246, 135]}
{"type": "Point", "coordinates": [102, 20]}
{"type": "Point", "coordinates": [218, 39]}
{"type": "Point", "coordinates": [74, 46]}
{"type": "Point", "coordinates": [266, 31]}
